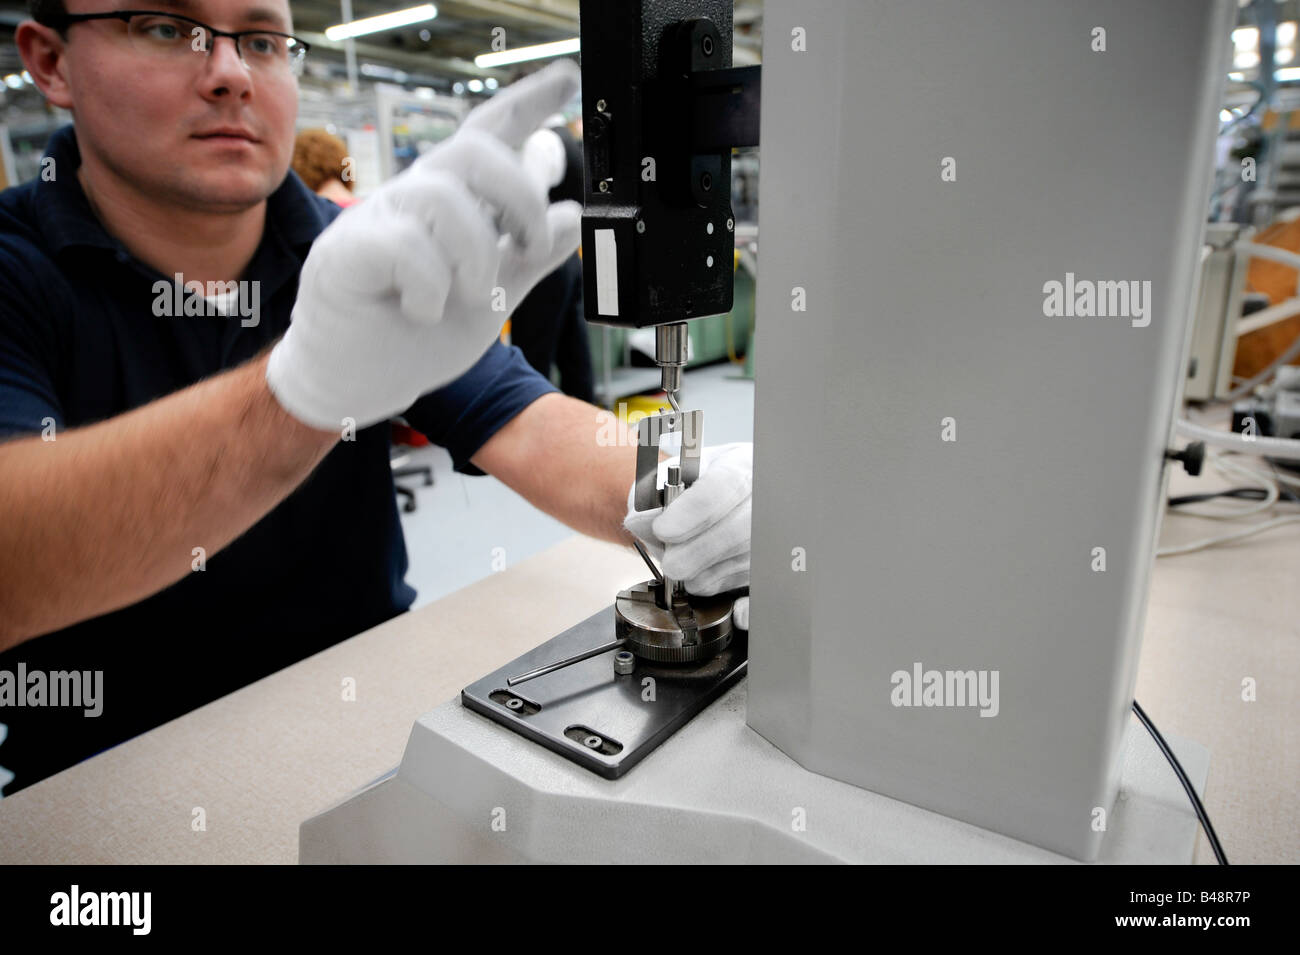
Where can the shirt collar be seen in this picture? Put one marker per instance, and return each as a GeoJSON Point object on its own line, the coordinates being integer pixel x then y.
{"type": "Point", "coordinates": [292, 211]}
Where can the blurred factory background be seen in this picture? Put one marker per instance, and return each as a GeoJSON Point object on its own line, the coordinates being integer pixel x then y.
{"type": "Point", "coordinates": [408, 77]}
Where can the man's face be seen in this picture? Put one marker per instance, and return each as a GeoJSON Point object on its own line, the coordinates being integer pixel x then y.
{"type": "Point", "coordinates": [199, 131]}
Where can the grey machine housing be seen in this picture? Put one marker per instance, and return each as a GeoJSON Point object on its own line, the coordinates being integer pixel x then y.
{"type": "Point", "coordinates": [924, 317]}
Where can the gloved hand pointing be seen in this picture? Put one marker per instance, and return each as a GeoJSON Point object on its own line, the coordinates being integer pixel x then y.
{"type": "Point", "coordinates": [405, 291]}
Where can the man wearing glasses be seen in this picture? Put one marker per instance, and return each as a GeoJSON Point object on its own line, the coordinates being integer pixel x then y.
{"type": "Point", "coordinates": [189, 499]}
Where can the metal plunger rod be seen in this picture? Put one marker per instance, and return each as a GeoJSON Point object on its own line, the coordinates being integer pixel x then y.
{"type": "Point", "coordinates": [672, 343]}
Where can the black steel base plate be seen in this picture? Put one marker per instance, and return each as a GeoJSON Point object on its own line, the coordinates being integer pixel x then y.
{"type": "Point", "coordinates": [605, 722]}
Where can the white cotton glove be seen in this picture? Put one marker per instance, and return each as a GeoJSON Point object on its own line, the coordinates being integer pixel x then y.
{"type": "Point", "coordinates": [702, 538]}
{"type": "Point", "coordinates": [740, 612]}
{"type": "Point", "coordinates": [397, 296]}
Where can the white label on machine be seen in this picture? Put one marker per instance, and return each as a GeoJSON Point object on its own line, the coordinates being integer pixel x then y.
{"type": "Point", "coordinates": [606, 273]}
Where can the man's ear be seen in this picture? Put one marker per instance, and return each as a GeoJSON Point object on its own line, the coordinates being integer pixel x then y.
{"type": "Point", "coordinates": [44, 54]}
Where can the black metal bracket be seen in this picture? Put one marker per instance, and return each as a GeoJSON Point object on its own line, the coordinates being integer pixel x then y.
{"type": "Point", "coordinates": [662, 109]}
{"type": "Point", "coordinates": [726, 108]}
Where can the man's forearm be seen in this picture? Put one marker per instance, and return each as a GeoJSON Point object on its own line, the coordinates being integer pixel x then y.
{"type": "Point", "coordinates": [570, 459]}
{"type": "Point", "coordinates": [103, 516]}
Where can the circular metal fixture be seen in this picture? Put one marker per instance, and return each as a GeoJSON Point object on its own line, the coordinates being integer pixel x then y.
{"type": "Point", "coordinates": [657, 634]}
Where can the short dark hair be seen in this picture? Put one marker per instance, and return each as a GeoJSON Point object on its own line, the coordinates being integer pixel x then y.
{"type": "Point", "coordinates": [46, 11]}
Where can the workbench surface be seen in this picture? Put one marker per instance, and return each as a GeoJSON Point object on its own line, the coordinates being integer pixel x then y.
{"type": "Point", "coordinates": [263, 759]}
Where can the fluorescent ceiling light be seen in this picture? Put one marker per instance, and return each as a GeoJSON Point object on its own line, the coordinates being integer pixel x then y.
{"type": "Point", "coordinates": [384, 72]}
{"type": "Point", "coordinates": [519, 55]}
{"type": "Point", "coordinates": [1289, 74]}
{"type": "Point", "coordinates": [385, 21]}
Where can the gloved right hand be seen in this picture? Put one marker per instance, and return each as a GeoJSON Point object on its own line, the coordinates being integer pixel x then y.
{"type": "Point", "coordinates": [703, 537]}
{"type": "Point", "coordinates": [406, 290]}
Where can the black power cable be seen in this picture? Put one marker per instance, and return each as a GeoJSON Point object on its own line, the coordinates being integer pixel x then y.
{"type": "Point", "coordinates": [1201, 814]}
{"type": "Point", "coordinates": [1285, 495]}
{"type": "Point", "coordinates": [1248, 493]}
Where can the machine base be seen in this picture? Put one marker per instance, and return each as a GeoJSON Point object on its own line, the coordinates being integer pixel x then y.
{"type": "Point", "coordinates": [716, 792]}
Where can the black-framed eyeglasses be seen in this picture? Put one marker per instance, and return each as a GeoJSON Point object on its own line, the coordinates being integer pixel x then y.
{"type": "Point", "coordinates": [161, 35]}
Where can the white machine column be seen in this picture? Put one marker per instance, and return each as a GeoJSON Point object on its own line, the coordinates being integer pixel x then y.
{"type": "Point", "coordinates": [979, 229]}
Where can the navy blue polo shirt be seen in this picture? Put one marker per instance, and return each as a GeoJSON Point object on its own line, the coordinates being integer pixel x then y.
{"type": "Point", "coordinates": [79, 342]}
